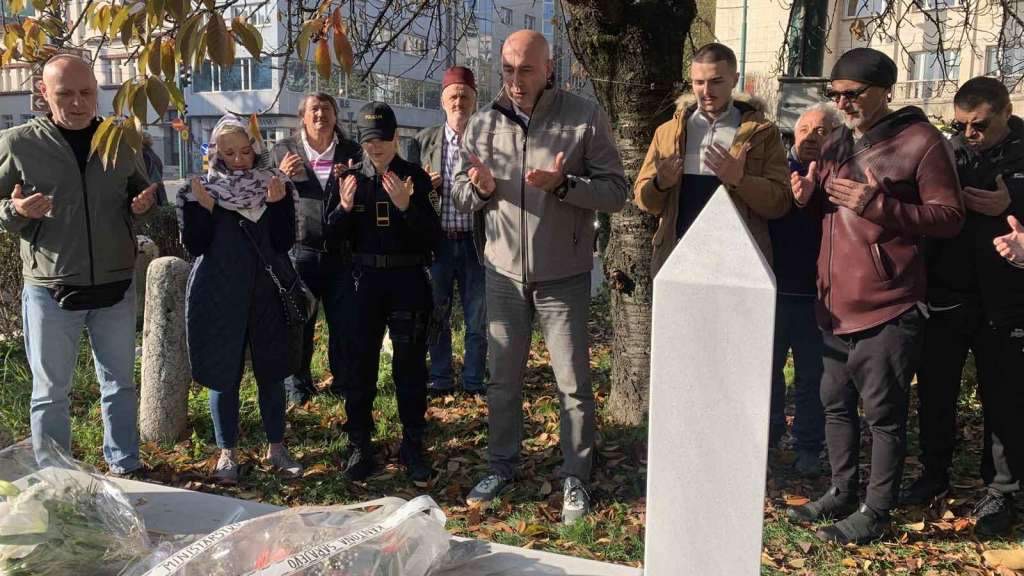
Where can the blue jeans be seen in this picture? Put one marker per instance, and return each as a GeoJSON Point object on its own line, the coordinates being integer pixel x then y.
{"type": "Point", "coordinates": [457, 260]}
{"type": "Point", "coordinates": [224, 407]}
{"type": "Point", "coordinates": [797, 328]}
{"type": "Point", "coordinates": [52, 337]}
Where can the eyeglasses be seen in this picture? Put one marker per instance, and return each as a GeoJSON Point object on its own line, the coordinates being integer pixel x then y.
{"type": "Point", "coordinates": [850, 95]}
{"type": "Point", "coordinates": [961, 127]}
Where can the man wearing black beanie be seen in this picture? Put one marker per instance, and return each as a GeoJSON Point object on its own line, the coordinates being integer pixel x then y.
{"type": "Point", "coordinates": [885, 181]}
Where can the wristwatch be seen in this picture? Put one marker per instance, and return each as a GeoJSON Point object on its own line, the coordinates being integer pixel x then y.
{"type": "Point", "coordinates": [563, 188]}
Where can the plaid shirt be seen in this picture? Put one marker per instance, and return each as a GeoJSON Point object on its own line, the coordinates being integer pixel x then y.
{"type": "Point", "coordinates": [451, 219]}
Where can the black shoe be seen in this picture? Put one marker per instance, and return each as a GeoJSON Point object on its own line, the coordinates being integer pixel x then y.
{"type": "Point", "coordinates": [360, 463]}
{"type": "Point", "coordinates": [862, 527]}
{"type": "Point", "coordinates": [417, 466]}
{"type": "Point", "coordinates": [439, 391]}
{"type": "Point", "coordinates": [832, 505]}
{"type": "Point", "coordinates": [924, 490]}
{"type": "Point", "coordinates": [995, 514]}
{"type": "Point", "coordinates": [298, 397]}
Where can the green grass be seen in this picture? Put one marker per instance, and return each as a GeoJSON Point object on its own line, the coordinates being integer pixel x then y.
{"type": "Point", "coordinates": [527, 514]}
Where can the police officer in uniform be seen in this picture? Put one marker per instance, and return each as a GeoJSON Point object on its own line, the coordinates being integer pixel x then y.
{"type": "Point", "coordinates": [386, 215]}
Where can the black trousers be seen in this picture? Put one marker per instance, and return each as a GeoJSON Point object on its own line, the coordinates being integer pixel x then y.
{"type": "Point", "coordinates": [874, 366]}
{"type": "Point", "coordinates": [999, 360]}
{"type": "Point", "coordinates": [323, 274]}
{"type": "Point", "coordinates": [398, 299]}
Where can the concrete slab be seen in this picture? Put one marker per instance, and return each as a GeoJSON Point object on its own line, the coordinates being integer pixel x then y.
{"type": "Point", "coordinates": [169, 510]}
{"type": "Point", "coordinates": [712, 334]}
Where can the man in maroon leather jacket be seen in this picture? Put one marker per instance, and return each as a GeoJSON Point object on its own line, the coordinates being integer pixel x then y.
{"type": "Point", "coordinates": [884, 182]}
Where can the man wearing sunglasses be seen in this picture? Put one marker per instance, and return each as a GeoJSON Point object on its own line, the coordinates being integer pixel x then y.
{"type": "Point", "coordinates": [885, 180]}
{"type": "Point", "coordinates": [976, 299]}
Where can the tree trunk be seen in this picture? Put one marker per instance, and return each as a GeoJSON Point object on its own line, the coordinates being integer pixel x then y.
{"type": "Point", "coordinates": [633, 53]}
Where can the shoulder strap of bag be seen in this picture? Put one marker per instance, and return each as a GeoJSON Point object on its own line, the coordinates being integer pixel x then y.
{"type": "Point", "coordinates": [263, 261]}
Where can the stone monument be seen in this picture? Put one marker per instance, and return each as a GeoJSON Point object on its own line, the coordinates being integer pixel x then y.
{"type": "Point", "coordinates": [166, 373]}
{"type": "Point", "coordinates": [711, 360]}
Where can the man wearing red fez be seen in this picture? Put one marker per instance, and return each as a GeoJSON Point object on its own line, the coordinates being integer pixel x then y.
{"type": "Point", "coordinates": [437, 149]}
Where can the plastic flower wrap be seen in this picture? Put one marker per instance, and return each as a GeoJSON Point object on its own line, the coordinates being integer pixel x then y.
{"type": "Point", "coordinates": [60, 518]}
{"type": "Point", "coordinates": [386, 537]}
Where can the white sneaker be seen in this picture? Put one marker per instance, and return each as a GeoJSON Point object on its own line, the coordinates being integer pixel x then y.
{"type": "Point", "coordinates": [575, 502]}
{"type": "Point", "coordinates": [226, 471]}
{"type": "Point", "coordinates": [487, 489]}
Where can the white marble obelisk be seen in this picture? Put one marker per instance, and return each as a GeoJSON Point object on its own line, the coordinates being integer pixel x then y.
{"type": "Point", "coordinates": [711, 360]}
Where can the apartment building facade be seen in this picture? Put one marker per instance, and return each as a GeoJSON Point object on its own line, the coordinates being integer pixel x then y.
{"type": "Point", "coordinates": [937, 44]}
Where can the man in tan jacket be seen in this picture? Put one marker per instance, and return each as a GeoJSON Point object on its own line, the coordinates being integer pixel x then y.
{"type": "Point", "coordinates": [535, 165]}
{"type": "Point", "coordinates": [714, 141]}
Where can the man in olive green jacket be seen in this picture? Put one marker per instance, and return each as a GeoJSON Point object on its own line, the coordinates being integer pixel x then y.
{"type": "Point", "coordinates": [74, 220]}
{"type": "Point", "coordinates": [714, 141]}
{"type": "Point", "coordinates": [536, 165]}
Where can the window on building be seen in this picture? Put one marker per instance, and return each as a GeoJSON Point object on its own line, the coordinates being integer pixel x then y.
{"type": "Point", "coordinates": [505, 16]}
{"type": "Point", "coordinates": [385, 88]}
{"type": "Point", "coordinates": [356, 87]}
{"type": "Point", "coordinates": [6, 121]}
{"type": "Point", "coordinates": [864, 8]}
{"type": "Point", "coordinates": [414, 44]}
{"type": "Point", "coordinates": [246, 74]}
{"type": "Point", "coordinates": [408, 92]}
{"type": "Point", "coordinates": [1006, 63]}
{"type": "Point", "coordinates": [385, 34]}
{"type": "Point", "coordinates": [27, 10]}
{"type": "Point", "coordinates": [257, 15]}
{"type": "Point", "coordinates": [549, 18]}
{"type": "Point", "coordinates": [483, 12]}
{"type": "Point", "coordinates": [529, 22]}
{"type": "Point", "coordinates": [930, 70]}
{"type": "Point", "coordinates": [939, 4]}
{"type": "Point", "coordinates": [431, 95]}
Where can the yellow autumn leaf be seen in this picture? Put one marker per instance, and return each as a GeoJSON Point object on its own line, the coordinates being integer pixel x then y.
{"type": "Point", "coordinates": [322, 58]}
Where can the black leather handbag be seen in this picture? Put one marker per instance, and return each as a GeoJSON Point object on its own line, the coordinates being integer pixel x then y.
{"type": "Point", "coordinates": [296, 300]}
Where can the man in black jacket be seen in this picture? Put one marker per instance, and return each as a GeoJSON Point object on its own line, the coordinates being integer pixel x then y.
{"type": "Point", "coordinates": [309, 159]}
{"type": "Point", "coordinates": [976, 300]}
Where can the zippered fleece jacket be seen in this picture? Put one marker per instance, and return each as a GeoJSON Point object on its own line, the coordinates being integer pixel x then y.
{"type": "Point", "coordinates": [529, 234]}
{"type": "Point", "coordinates": [89, 239]}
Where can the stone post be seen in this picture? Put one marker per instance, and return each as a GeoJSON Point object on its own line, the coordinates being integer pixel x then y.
{"type": "Point", "coordinates": [148, 251]}
{"type": "Point", "coordinates": [166, 373]}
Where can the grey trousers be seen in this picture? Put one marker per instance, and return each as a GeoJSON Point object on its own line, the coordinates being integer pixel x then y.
{"type": "Point", "coordinates": [562, 307]}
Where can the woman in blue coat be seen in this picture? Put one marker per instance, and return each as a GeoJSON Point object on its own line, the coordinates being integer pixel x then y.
{"type": "Point", "coordinates": [234, 219]}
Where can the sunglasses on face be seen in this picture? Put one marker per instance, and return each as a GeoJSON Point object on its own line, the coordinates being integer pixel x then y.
{"type": "Point", "coordinates": [961, 127]}
{"type": "Point", "coordinates": [850, 95]}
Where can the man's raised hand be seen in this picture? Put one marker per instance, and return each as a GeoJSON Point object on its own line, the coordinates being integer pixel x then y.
{"type": "Point", "coordinates": [35, 206]}
{"type": "Point", "coordinates": [481, 177]}
{"type": "Point", "coordinates": [803, 186]}
{"type": "Point", "coordinates": [551, 178]}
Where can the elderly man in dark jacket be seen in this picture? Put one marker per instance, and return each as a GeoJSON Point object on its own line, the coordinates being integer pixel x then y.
{"type": "Point", "coordinates": [886, 180]}
{"type": "Point", "coordinates": [437, 149]}
{"type": "Point", "coordinates": [976, 299]}
{"type": "Point", "coordinates": [309, 158]}
{"type": "Point", "coordinates": [795, 241]}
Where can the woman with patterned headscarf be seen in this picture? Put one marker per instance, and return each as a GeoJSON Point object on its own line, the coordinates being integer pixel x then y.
{"type": "Point", "coordinates": [239, 220]}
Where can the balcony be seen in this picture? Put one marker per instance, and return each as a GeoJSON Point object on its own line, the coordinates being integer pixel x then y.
{"type": "Point", "coordinates": [925, 90]}
{"type": "Point", "coordinates": [15, 79]}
